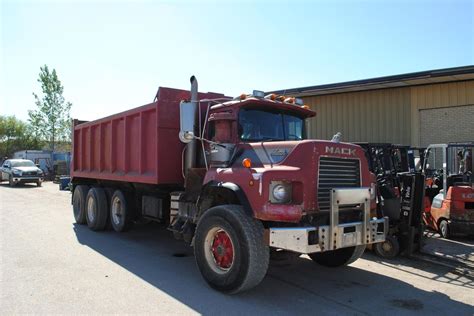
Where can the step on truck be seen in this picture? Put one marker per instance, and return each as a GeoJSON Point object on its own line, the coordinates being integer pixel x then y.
{"type": "Point", "coordinates": [236, 178]}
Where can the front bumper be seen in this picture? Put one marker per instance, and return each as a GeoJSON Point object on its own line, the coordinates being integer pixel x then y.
{"type": "Point", "coordinates": [27, 179]}
{"type": "Point", "coordinates": [334, 235]}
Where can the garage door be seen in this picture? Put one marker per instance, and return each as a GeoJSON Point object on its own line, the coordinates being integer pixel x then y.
{"type": "Point", "coordinates": [442, 125]}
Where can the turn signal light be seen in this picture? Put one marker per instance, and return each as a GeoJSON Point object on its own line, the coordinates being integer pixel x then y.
{"type": "Point", "coordinates": [247, 163]}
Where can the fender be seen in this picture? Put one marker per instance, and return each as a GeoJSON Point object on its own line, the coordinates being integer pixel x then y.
{"type": "Point", "coordinates": [239, 193]}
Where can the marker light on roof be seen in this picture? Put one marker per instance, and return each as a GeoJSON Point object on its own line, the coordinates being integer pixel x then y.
{"type": "Point", "coordinates": [272, 96]}
{"type": "Point", "coordinates": [290, 100]}
{"type": "Point", "coordinates": [299, 101]}
{"type": "Point", "coordinates": [243, 96]}
{"type": "Point", "coordinates": [280, 98]}
{"type": "Point", "coordinates": [306, 107]}
{"type": "Point", "coordinates": [258, 94]}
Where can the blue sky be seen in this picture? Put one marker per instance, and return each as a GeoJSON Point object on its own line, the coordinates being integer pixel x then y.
{"type": "Point", "coordinates": [113, 55]}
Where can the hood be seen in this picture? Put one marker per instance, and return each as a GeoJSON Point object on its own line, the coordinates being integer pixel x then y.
{"type": "Point", "coordinates": [291, 152]}
{"type": "Point", "coordinates": [27, 169]}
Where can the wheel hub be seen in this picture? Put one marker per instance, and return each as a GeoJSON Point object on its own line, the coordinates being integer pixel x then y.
{"type": "Point", "coordinates": [387, 246]}
{"type": "Point", "coordinates": [222, 250]}
{"type": "Point", "coordinates": [116, 211]}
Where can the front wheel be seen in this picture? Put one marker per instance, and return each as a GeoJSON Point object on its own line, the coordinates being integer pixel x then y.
{"type": "Point", "coordinates": [390, 248]}
{"type": "Point", "coordinates": [338, 257]}
{"type": "Point", "coordinates": [443, 228]}
{"type": "Point", "coordinates": [10, 181]}
{"type": "Point", "coordinates": [229, 249]}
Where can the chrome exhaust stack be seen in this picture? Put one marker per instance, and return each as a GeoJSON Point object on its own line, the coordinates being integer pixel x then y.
{"type": "Point", "coordinates": [188, 121]}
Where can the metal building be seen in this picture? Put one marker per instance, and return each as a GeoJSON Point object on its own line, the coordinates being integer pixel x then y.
{"type": "Point", "coordinates": [415, 109]}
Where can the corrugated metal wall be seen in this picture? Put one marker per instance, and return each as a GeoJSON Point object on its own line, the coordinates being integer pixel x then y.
{"type": "Point", "coordinates": [367, 116]}
{"type": "Point", "coordinates": [384, 115]}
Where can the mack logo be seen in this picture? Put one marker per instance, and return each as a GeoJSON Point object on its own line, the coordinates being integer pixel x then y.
{"type": "Point", "coordinates": [467, 195]}
{"type": "Point", "coordinates": [340, 151]}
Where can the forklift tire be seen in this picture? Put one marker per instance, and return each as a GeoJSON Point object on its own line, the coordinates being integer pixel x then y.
{"type": "Point", "coordinates": [121, 212]}
{"type": "Point", "coordinates": [338, 257]}
{"type": "Point", "coordinates": [230, 250]}
{"type": "Point", "coordinates": [443, 228]}
{"type": "Point", "coordinates": [390, 248]}
{"type": "Point", "coordinates": [96, 209]}
{"type": "Point", "coordinates": [79, 203]}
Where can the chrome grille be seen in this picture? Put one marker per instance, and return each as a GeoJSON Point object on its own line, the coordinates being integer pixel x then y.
{"type": "Point", "coordinates": [336, 173]}
{"type": "Point", "coordinates": [29, 173]}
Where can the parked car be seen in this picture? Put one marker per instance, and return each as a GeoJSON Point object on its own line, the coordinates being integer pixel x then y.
{"type": "Point", "coordinates": [21, 171]}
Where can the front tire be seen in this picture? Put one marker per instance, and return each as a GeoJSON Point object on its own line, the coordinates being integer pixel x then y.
{"type": "Point", "coordinates": [443, 228]}
{"type": "Point", "coordinates": [38, 183]}
{"type": "Point", "coordinates": [96, 209]}
{"type": "Point", "coordinates": [229, 249]}
{"type": "Point", "coordinates": [390, 248]}
{"type": "Point", "coordinates": [338, 257]}
{"type": "Point", "coordinates": [10, 181]}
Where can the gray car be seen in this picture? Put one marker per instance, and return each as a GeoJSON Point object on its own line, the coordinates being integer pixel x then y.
{"type": "Point", "coordinates": [21, 171]}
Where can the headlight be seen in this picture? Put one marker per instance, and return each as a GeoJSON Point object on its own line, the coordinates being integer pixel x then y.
{"type": "Point", "coordinates": [40, 171]}
{"type": "Point", "coordinates": [16, 172]}
{"type": "Point", "coordinates": [281, 192]}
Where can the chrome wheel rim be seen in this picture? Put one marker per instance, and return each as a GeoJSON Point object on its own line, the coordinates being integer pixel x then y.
{"type": "Point", "coordinates": [117, 211]}
{"type": "Point", "coordinates": [91, 209]}
{"type": "Point", "coordinates": [219, 250]}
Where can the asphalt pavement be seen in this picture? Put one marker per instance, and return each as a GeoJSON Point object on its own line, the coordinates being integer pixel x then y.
{"type": "Point", "coordinates": [48, 264]}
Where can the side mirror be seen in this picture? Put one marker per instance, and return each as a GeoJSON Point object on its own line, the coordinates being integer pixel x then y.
{"type": "Point", "coordinates": [38, 165]}
{"type": "Point", "coordinates": [187, 113]}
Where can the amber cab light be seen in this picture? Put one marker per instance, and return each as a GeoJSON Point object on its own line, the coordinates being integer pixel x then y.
{"type": "Point", "coordinates": [247, 163]}
{"type": "Point", "coordinates": [272, 96]}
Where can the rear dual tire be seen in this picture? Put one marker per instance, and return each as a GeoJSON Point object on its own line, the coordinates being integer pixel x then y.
{"type": "Point", "coordinates": [79, 203]}
{"type": "Point", "coordinates": [97, 210]}
{"type": "Point", "coordinates": [121, 212]}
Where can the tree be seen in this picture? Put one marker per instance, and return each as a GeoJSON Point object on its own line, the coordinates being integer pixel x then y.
{"type": "Point", "coordinates": [51, 120]}
{"type": "Point", "coordinates": [14, 136]}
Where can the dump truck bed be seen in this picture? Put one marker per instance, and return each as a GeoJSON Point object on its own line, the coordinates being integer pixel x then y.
{"type": "Point", "coordinates": [140, 145]}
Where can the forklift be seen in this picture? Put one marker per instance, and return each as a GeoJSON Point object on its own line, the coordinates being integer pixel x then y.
{"type": "Point", "coordinates": [449, 197]}
{"type": "Point", "coordinates": [400, 196]}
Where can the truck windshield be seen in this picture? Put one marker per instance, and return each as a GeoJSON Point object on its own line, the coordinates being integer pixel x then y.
{"type": "Point", "coordinates": [259, 125]}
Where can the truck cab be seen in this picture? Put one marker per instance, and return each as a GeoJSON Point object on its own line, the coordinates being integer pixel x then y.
{"type": "Point", "coordinates": [306, 196]}
{"type": "Point", "coordinates": [449, 201]}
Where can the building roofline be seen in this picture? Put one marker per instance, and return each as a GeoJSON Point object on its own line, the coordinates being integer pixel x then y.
{"type": "Point", "coordinates": [401, 80]}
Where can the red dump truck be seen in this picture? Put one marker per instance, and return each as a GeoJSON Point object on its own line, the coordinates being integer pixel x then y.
{"type": "Point", "coordinates": [237, 178]}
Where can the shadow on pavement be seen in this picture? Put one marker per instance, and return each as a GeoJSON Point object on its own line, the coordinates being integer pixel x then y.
{"type": "Point", "coordinates": [153, 255]}
{"type": "Point", "coordinates": [458, 248]}
{"type": "Point", "coordinates": [20, 185]}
